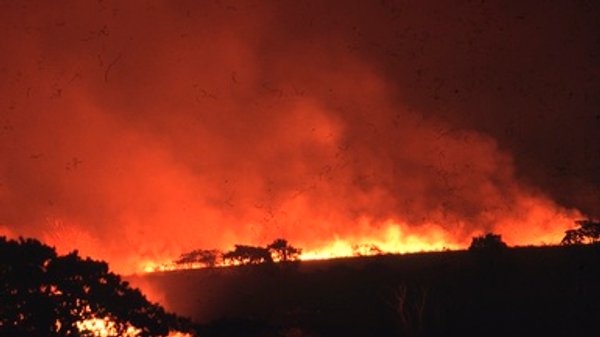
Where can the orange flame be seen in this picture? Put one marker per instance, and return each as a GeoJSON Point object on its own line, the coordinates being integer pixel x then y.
{"type": "Point", "coordinates": [393, 239]}
{"type": "Point", "coordinates": [539, 223]}
{"type": "Point", "coordinates": [105, 327]}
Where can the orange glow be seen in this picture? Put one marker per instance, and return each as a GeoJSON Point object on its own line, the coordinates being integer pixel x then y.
{"type": "Point", "coordinates": [393, 238]}
{"type": "Point", "coordinates": [137, 132]}
{"type": "Point", "coordinates": [390, 240]}
{"type": "Point", "coordinates": [544, 225]}
{"type": "Point", "coordinates": [104, 327]}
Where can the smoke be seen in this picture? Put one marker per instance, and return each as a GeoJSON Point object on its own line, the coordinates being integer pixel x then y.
{"type": "Point", "coordinates": [134, 132]}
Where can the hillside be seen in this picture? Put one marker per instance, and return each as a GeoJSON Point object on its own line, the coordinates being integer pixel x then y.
{"type": "Point", "coordinates": [551, 291]}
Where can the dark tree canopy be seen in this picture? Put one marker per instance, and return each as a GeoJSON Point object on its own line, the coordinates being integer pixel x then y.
{"type": "Point", "coordinates": [243, 254]}
{"type": "Point", "coordinates": [279, 250]}
{"type": "Point", "coordinates": [282, 251]}
{"type": "Point", "coordinates": [44, 294]}
{"type": "Point", "coordinates": [588, 232]}
{"type": "Point", "coordinates": [204, 257]}
{"type": "Point", "coordinates": [487, 242]}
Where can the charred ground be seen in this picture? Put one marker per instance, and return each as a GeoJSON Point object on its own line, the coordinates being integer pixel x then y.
{"type": "Point", "coordinates": [533, 291]}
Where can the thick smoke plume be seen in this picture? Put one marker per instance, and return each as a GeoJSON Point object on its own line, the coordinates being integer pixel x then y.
{"type": "Point", "coordinates": [136, 131]}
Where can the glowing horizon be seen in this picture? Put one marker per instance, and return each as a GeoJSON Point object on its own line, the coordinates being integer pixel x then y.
{"type": "Point", "coordinates": [134, 133]}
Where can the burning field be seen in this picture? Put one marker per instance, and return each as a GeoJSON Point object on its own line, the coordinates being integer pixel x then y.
{"type": "Point", "coordinates": [136, 131]}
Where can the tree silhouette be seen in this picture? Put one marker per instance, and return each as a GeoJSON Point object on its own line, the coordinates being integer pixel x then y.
{"type": "Point", "coordinates": [43, 294]}
{"type": "Point", "coordinates": [204, 257]}
{"type": "Point", "coordinates": [281, 250]}
{"type": "Point", "coordinates": [487, 242]}
{"type": "Point", "coordinates": [410, 307]}
{"type": "Point", "coordinates": [588, 232]}
{"type": "Point", "coordinates": [243, 254]}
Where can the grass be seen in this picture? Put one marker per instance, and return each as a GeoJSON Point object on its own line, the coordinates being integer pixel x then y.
{"type": "Point", "coordinates": [533, 291]}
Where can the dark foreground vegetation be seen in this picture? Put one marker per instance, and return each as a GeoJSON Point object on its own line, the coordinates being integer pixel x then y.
{"type": "Point", "coordinates": [534, 291]}
{"type": "Point", "coordinates": [43, 294]}
{"type": "Point", "coordinates": [489, 290]}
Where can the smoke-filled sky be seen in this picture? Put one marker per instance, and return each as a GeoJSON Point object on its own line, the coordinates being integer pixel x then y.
{"type": "Point", "coordinates": [138, 130]}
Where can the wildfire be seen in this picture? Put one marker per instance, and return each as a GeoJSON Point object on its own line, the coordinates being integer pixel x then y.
{"type": "Point", "coordinates": [105, 327]}
{"type": "Point", "coordinates": [169, 265]}
{"type": "Point", "coordinates": [392, 238]}
{"type": "Point", "coordinates": [544, 225]}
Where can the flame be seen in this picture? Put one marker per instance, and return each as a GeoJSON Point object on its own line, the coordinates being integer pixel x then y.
{"type": "Point", "coordinates": [392, 238]}
{"type": "Point", "coordinates": [169, 265]}
{"type": "Point", "coordinates": [105, 327]}
{"type": "Point", "coordinates": [171, 146]}
{"type": "Point", "coordinates": [537, 222]}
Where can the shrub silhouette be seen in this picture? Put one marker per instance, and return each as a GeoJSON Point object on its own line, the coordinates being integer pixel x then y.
{"type": "Point", "coordinates": [43, 294]}
{"type": "Point", "coordinates": [588, 232]}
{"type": "Point", "coordinates": [487, 242]}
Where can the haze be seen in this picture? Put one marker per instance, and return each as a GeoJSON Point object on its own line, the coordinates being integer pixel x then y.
{"type": "Point", "coordinates": [136, 131]}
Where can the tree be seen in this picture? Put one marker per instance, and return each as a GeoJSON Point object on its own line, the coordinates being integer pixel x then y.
{"type": "Point", "coordinates": [588, 232]}
{"type": "Point", "coordinates": [411, 309]}
{"type": "Point", "coordinates": [204, 257]}
{"type": "Point", "coordinates": [44, 294]}
{"type": "Point", "coordinates": [243, 254]}
{"type": "Point", "coordinates": [281, 250]}
{"type": "Point", "coordinates": [487, 242]}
